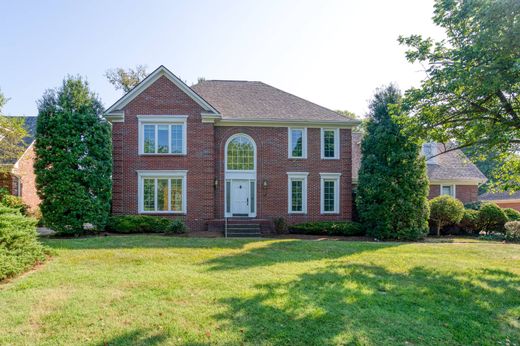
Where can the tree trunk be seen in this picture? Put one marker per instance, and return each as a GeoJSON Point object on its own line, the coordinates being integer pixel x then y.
{"type": "Point", "coordinates": [438, 229]}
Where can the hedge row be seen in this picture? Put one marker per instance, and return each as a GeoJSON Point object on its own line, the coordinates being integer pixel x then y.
{"type": "Point", "coordinates": [345, 228]}
{"type": "Point", "coordinates": [19, 245]}
{"type": "Point", "coordinates": [144, 224]}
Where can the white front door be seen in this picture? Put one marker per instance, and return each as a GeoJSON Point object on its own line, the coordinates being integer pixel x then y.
{"type": "Point", "coordinates": [240, 197]}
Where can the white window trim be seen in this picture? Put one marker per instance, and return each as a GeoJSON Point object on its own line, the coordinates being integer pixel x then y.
{"type": "Point", "coordinates": [453, 190]}
{"type": "Point", "coordinates": [163, 120]}
{"type": "Point", "coordinates": [297, 176]}
{"type": "Point", "coordinates": [304, 142]}
{"type": "Point", "coordinates": [330, 176]}
{"type": "Point", "coordinates": [240, 173]}
{"type": "Point", "coordinates": [162, 174]}
{"type": "Point", "coordinates": [336, 143]}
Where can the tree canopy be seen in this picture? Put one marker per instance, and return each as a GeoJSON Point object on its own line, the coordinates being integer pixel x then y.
{"type": "Point", "coordinates": [73, 158]}
{"type": "Point", "coordinates": [12, 134]}
{"type": "Point", "coordinates": [393, 186]}
{"type": "Point", "coordinates": [125, 80]}
{"type": "Point", "coordinates": [470, 95]}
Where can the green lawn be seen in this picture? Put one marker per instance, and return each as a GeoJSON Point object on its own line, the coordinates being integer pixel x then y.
{"type": "Point", "coordinates": [153, 290]}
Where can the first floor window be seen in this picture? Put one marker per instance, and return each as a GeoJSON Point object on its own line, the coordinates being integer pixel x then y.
{"type": "Point", "coordinates": [165, 137]}
{"type": "Point", "coordinates": [297, 192]}
{"type": "Point", "coordinates": [448, 190]}
{"type": "Point", "coordinates": [162, 193]}
{"type": "Point", "coordinates": [330, 193]}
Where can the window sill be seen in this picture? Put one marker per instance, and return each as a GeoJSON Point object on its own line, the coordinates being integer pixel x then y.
{"type": "Point", "coordinates": [297, 158]}
{"type": "Point", "coordinates": [330, 158]}
{"type": "Point", "coordinates": [163, 212]}
{"type": "Point", "coordinates": [297, 213]}
{"type": "Point", "coordinates": [329, 213]}
{"type": "Point", "coordinates": [161, 154]}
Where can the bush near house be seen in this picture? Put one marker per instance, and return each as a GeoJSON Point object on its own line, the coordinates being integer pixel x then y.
{"type": "Point", "coordinates": [345, 228]}
{"type": "Point", "coordinates": [445, 210]}
{"type": "Point", "coordinates": [14, 202]}
{"type": "Point", "coordinates": [491, 219]}
{"type": "Point", "coordinates": [19, 245]}
{"type": "Point", "coordinates": [512, 230]}
{"type": "Point", "coordinates": [144, 224]}
{"type": "Point", "coordinates": [469, 221]}
{"type": "Point", "coordinates": [512, 214]}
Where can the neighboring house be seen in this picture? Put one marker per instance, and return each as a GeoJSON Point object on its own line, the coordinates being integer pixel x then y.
{"type": "Point", "coordinates": [450, 173]}
{"type": "Point", "coordinates": [20, 180]}
{"type": "Point", "coordinates": [239, 149]}
{"type": "Point", "coordinates": [503, 199]}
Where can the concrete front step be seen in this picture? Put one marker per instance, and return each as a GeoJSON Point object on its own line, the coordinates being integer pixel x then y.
{"type": "Point", "coordinates": [259, 226]}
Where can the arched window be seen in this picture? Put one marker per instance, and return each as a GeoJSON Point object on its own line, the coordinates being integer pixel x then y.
{"type": "Point", "coordinates": [240, 154]}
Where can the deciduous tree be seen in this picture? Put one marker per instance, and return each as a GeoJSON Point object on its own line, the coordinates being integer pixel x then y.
{"type": "Point", "coordinates": [125, 80]}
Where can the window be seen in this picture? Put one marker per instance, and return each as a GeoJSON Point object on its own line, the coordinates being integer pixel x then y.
{"type": "Point", "coordinates": [162, 135]}
{"type": "Point", "coordinates": [162, 191]}
{"type": "Point", "coordinates": [240, 154]}
{"type": "Point", "coordinates": [330, 143]}
{"type": "Point", "coordinates": [330, 193]}
{"type": "Point", "coordinates": [297, 192]}
{"type": "Point", "coordinates": [297, 143]}
{"type": "Point", "coordinates": [448, 190]}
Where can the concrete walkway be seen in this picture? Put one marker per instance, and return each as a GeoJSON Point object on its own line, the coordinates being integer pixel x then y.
{"type": "Point", "coordinates": [44, 231]}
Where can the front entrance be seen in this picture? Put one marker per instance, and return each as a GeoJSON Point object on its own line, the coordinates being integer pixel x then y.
{"type": "Point", "coordinates": [240, 197]}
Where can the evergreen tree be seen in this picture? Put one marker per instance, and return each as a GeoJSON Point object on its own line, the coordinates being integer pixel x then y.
{"type": "Point", "coordinates": [73, 158]}
{"type": "Point", "coordinates": [392, 197]}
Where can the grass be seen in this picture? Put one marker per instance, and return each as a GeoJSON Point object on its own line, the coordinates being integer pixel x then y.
{"type": "Point", "coordinates": [155, 290]}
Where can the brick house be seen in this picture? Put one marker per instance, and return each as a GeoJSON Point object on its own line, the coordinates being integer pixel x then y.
{"type": "Point", "coordinates": [502, 199]}
{"type": "Point", "coordinates": [237, 149]}
{"type": "Point", "coordinates": [20, 180]}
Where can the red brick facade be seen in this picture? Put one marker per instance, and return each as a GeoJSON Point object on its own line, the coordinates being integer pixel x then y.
{"type": "Point", "coordinates": [24, 170]}
{"type": "Point", "coordinates": [465, 193]}
{"type": "Point", "coordinates": [205, 162]}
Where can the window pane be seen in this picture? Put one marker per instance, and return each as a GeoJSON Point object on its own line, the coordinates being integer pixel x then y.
{"type": "Point", "coordinates": [162, 139]}
{"type": "Point", "coordinates": [296, 195]}
{"type": "Point", "coordinates": [328, 138]}
{"type": "Point", "coordinates": [149, 138]}
{"type": "Point", "coordinates": [297, 143]}
{"type": "Point", "coordinates": [176, 194]}
{"type": "Point", "coordinates": [149, 194]}
{"type": "Point", "coordinates": [446, 190]}
{"type": "Point", "coordinates": [177, 139]}
{"type": "Point", "coordinates": [228, 196]}
{"type": "Point", "coordinates": [328, 195]}
{"type": "Point", "coordinates": [252, 191]}
{"type": "Point", "coordinates": [240, 154]}
{"type": "Point", "coordinates": [162, 194]}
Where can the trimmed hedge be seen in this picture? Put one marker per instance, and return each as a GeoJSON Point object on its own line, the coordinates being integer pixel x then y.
{"type": "Point", "coordinates": [346, 228]}
{"type": "Point", "coordinates": [19, 245]}
{"type": "Point", "coordinates": [445, 210]}
{"type": "Point", "coordinates": [512, 214]}
{"type": "Point", "coordinates": [491, 218]}
{"type": "Point", "coordinates": [512, 231]}
{"type": "Point", "coordinates": [144, 224]}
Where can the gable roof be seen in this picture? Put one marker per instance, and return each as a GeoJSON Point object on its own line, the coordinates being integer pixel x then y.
{"type": "Point", "coordinates": [499, 196]}
{"type": "Point", "coordinates": [247, 100]}
{"type": "Point", "coordinates": [450, 166]}
{"type": "Point", "coordinates": [114, 112]}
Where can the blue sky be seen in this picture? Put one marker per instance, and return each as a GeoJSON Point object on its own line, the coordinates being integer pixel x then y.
{"type": "Point", "coordinates": [334, 53]}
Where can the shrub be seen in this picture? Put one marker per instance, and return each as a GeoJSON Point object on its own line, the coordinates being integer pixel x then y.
{"type": "Point", "coordinates": [469, 221]}
{"type": "Point", "coordinates": [177, 226]}
{"type": "Point", "coordinates": [491, 218]}
{"type": "Point", "coordinates": [280, 225]}
{"type": "Point", "coordinates": [445, 210]}
{"type": "Point", "coordinates": [19, 246]}
{"type": "Point", "coordinates": [512, 230]}
{"type": "Point", "coordinates": [512, 214]}
{"type": "Point", "coordinates": [15, 202]}
{"type": "Point", "coordinates": [345, 228]}
{"type": "Point", "coordinates": [138, 224]}
{"type": "Point", "coordinates": [474, 205]}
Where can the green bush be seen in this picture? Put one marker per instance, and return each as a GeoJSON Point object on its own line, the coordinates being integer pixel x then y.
{"type": "Point", "coordinates": [474, 205]}
{"type": "Point", "coordinates": [345, 228]}
{"type": "Point", "coordinates": [19, 245]}
{"type": "Point", "coordinates": [469, 221]}
{"type": "Point", "coordinates": [14, 202]}
{"type": "Point", "coordinates": [138, 224]}
{"type": "Point", "coordinates": [491, 218]}
{"type": "Point", "coordinates": [512, 214]}
{"type": "Point", "coordinates": [512, 230]}
{"type": "Point", "coordinates": [280, 225]}
{"type": "Point", "coordinates": [177, 226]}
{"type": "Point", "coordinates": [445, 210]}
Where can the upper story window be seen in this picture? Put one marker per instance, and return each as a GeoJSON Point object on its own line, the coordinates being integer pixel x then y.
{"type": "Point", "coordinates": [448, 190]}
{"type": "Point", "coordinates": [240, 153]}
{"type": "Point", "coordinates": [330, 143]}
{"type": "Point", "coordinates": [297, 143]}
{"type": "Point", "coordinates": [162, 135]}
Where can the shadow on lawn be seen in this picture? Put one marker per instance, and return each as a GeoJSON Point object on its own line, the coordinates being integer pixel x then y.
{"type": "Point", "coordinates": [366, 304]}
{"type": "Point", "coordinates": [135, 337]}
{"type": "Point", "coordinates": [292, 251]}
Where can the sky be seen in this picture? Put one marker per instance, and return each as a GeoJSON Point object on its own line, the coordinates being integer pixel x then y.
{"type": "Point", "coordinates": [334, 53]}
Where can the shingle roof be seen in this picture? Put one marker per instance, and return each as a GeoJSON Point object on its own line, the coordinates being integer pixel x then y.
{"type": "Point", "coordinates": [453, 165]}
{"type": "Point", "coordinates": [259, 101]}
{"type": "Point", "coordinates": [498, 196]}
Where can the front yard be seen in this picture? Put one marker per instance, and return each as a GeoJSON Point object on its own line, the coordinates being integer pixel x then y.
{"type": "Point", "coordinates": [150, 290]}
